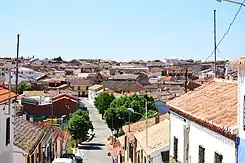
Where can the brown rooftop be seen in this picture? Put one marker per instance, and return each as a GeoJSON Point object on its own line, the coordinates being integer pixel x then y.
{"type": "Point", "coordinates": [28, 134]}
{"type": "Point", "coordinates": [5, 94]}
{"type": "Point", "coordinates": [140, 126]}
{"type": "Point", "coordinates": [79, 81]}
{"type": "Point", "coordinates": [158, 137]}
{"type": "Point", "coordinates": [239, 63]}
{"type": "Point", "coordinates": [214, 102]}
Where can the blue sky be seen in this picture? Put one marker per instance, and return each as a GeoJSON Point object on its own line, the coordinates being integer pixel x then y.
{"type": "Point", "coordinates": [119, 29]}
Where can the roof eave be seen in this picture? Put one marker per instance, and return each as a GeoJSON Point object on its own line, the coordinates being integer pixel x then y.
{"type": "Point", "coordinates": [214, 127]}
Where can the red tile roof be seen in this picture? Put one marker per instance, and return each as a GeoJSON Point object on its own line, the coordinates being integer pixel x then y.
{"type": "Point", "coordinates": [5, 94]}
{"type": "Point", "coordinates": [213, 103]}
{"type": "Point", "coordinates": [62, 96]}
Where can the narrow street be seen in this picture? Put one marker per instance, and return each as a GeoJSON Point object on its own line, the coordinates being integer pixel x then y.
{"type": "Point", "coordinates": [95, 151]}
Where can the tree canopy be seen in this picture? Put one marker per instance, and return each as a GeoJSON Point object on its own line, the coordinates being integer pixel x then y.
{"type": "Point", "coordinates": [79, 125]}
{"type": "Point", "coordinates": [136, 102]}
{"type": "Point", "coordinates": [117, 113]}
{"type": "Point", "coordinates": [116, 117]}
{"type": "Point", "coordinates": [58, 59]}
{"type": "Point", "coordinates": [103, 101]}
{"type": "Point", "coordinates": [23, 86]}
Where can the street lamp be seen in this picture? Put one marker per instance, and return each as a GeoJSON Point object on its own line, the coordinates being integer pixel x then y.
{"type": "Point", "coordinates": [239, 3]}
{"type": "Point", "coordinates": [146, 122]}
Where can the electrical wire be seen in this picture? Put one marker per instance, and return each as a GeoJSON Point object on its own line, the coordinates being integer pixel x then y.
{"type": "Point", "coordinates": [227, 31]}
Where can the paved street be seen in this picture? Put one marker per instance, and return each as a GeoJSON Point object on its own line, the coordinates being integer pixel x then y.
{"type": "Point", "coordinates": [95, 151]}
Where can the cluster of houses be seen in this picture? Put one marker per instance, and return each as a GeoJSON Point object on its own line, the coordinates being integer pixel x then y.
{"type": "Point", "coordinates": [203, 124]}
{"type": "Point", "coordinates": [26, 141]}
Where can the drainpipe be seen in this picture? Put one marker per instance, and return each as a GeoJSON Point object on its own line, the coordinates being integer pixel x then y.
{"type": "Point", "coordinates": [237, 143]}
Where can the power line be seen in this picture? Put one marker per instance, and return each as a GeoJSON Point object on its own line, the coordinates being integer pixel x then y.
{"type": "Point", "coordinates": [228, 29]}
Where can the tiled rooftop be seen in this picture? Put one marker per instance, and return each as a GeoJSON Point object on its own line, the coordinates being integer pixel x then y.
{"type": "Point", "coordinates": [158, 136]}
{"type": "Point", "coordinates": [27, 134]}
{"type": "Point", "coordinates": [215, 102]}
{"type": "Point", "coordinates": [239, 63]}
{"type": "Point", "coordinates": [126, 86]}
{"type": "Point", "coordinates": [140, 126]}
{"type": "Point", "coordinates": [79, 81]}
{"type": "Point", "coordinates": [5, 94]}
{"type": "Point", "coordinates": [125, 76]}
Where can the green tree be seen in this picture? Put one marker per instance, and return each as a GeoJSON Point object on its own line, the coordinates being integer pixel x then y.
{"type": "Point", "coordinates": [79, 125]}
{"type": "Point", "coordinates": [116, 117]}
{"type": "Point", "coordinates": [103, 101]}
{"type": "Point", "coordinates": [136, 102]}
{"type": "Point", "coordinates": [23, 86]}
{"type": "Point", "coordinates": [150, 114]}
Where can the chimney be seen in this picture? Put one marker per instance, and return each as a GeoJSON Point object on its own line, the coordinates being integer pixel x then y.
{"type": "Point", "coordinates": [157, 118]}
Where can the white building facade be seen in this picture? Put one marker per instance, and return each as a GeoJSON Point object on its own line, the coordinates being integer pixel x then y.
{"type": "Point", "coordinates": [93, 92]}
{"type": "Point", "coordinates": [203, 124]}
{"type": "Point", "coordinates": [6, 126]}
{"type": "Point", "coordinates": [240, 65]}
{"type": "Point", "coordinates": [190, 137]}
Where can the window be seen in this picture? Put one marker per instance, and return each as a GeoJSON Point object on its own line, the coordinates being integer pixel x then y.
{"type": "Point", "coordinates": [218, 158]}
{"type": "Point", "coordinates": [32, 158]}
{"type": "Point", "coordinates": [27, 159]}
{"type": "Point", "coordinates": [7, 131]}
{"type": "Point", "coordinates": [142, 156]}
{"type": "Point", "coordinates": [165, 156]}
{"type": "Point", "coordinates": [175, 149]}
{"type": "Point", "coordinates": [125, 143]}
{"type": "Point", "coordinates": [78, 88]}
{"type": "Point", "coordinates": [201, 156]}
{"type": "Point", "coordinates": [244, 113]}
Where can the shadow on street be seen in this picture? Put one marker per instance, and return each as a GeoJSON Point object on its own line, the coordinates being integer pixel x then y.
{"type": "Point", "coordinates": [91, 146]}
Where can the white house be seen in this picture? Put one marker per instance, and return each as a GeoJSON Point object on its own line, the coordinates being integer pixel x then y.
{"type": "Point", "coordinates": [203, 124]}
{"type": "Point", "coordinates": [24, 74]}
{"type": "Point", "coordinates": [240, 65]}
{"type": "Point", "coordinates": [6, 127]}
{"type": "Point", "coordinates": [94, 91]}
{"type": "Point", "coordinates": [36, 62]}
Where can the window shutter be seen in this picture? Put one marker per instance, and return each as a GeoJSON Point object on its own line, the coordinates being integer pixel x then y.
{"type": "Point", "coordinates": [218, 158]}
{"type": "Point", "coordinates": [175, 149]}
{"type": "Point", "coordinates": [7, 131]}
{"type": "Point", "coordinates": [201, 154]}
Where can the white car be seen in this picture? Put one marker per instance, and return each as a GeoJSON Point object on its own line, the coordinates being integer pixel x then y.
{"type": "Point", "coordinates": [63, 160]}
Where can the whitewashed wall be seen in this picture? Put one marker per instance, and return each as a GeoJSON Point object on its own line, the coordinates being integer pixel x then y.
{"type": "Point", "coordinates": [177, 130]}
{"type": "Point", "coordinates": [241, 94]}
{"type": "Point", "coordinates": [198, 135]}
{"type": "Point", "coordinates": [157, 156]}
{"type": "Point", "coordinates": [212, 142]}
{"type": "Point", "coordinates": [18, 155]}
{"type": "Point", "coordinates": [91, 96]}
{"type": "Point", "coordinates": [6, 152]}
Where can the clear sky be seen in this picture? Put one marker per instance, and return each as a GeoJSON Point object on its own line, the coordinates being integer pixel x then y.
{"type": "Point", "coordinates": [119, 29]}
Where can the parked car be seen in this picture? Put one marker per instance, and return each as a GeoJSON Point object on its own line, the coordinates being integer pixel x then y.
{"type": "Point", "coordinates": [79, 159]}
{"type": "Point", "coordinates": [68, 155]}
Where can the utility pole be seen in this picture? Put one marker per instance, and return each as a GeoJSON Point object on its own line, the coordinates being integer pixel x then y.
{"type": "Point", "coordinates": [215, 45]}
{"type": "Point", "coordinates": [146, 125]}
{"type": "Point", "coordinates": [17, 63]}
{"type": "Point", "coordinates": [186, 78]}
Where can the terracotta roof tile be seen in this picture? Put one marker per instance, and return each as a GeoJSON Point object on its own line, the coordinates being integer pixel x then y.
{"type": "Point", "coordinates": [239, 63]}
{"type": "Point", "coordinates": [140, 126]}
{"type": "Point", "coordinates": [215, 102]}
{"type": "Point", "coordinates": [5, 94]}
{"type": "Point", "coordinates": [158, 137]}
{"type": "Point", "coordinates": [28, 134]}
